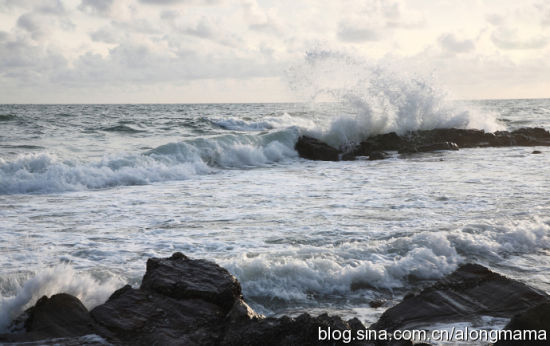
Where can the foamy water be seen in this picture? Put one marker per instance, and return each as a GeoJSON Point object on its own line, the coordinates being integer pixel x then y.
{"type": "Point", "coordinates": [89, 192]}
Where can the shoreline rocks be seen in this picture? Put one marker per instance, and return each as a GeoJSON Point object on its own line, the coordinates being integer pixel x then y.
{"type": "Point", "coordinates": [422, 141]}
{"type": "Point", "coordinates": [184, 301]}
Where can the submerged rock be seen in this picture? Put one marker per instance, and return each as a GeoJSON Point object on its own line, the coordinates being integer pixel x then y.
{"type": "Point", "coordinates": [469, 292]}
{"type": "Point", "coordinates": [424, 141]}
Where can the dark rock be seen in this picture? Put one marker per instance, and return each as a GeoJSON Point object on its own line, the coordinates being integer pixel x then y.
{"type": "Point", "coordinates": [472, 290]}
{"type": "Point", "coordinates": [378, 155]}
{"type": "Point", "coordinates": [61, 315]}
{"type": "Point", "coordinates": [142, 317]}
{"type": "Point", "coordinates": [302, 330]}
{"type": "Point", "coordinates": [536, 152]}
{"type": "Point", "coordinates": [183, 278]}
{"type": "Point", "coordinates": [424, 141]}
{"type": "Point", "coordinates": [313, 149]}
{"type": "Point", "coordinates": [376, 303]}
{"type": "Point", "coordinates": [535, 319]}
{"type": "Point", "coordinates": [438, 146]}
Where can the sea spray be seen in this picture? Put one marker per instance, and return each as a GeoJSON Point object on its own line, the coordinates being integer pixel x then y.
{"type": "Point", "coordinates": [59, 279]}
{"type": "Point", "coordinates": [378, 97]}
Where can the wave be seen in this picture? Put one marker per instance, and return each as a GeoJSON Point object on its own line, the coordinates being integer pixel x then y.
{"type": "Point", "coordinates": [49, 281]}
{"type": "Point", "coordinates": [45, 173]}
{"type": "Point", "coordinates": [267, 123]}
{"type": "Point", "coordinates": [379, 97]}
{"type": "Point", "coordinates": [121, 128]}
{"type": "Point", "coordinates": [349, 268]}
{"type": "Point", "coordinates": [7, 117]}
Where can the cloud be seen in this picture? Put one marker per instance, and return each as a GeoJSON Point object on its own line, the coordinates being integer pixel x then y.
{"type": "Point", "coordinates": [175, 2]}
{"type": "Point", "coordinates": [509, 39]}
{"type": "Point", "coordinates": [357, 32]}
{"type": "Point", "coordinates": [37, 26]}
{"type": "Point", "coordinates": [451, 43]}
{"type": "Point", "coordinates": [100, 7]}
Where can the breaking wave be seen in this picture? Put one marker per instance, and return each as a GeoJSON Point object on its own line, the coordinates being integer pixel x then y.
{"type": "Point", "coordinates": [45, 173]}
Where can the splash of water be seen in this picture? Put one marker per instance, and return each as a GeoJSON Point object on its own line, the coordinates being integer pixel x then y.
{"type": "Point", "coordinates": [378, 97]}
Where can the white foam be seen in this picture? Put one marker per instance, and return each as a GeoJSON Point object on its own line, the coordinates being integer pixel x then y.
{"type": "Point", "coordinates": [60, 279]}
{"type": "Point", "coordinates": [380, 97]}
{"type": "Point", "coordinates": [45, 173]}
{"type": "Point", "coordinates": [295, 275]}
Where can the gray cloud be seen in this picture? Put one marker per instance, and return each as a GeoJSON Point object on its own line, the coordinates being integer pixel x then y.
{"type": "Point", "coordinates": [507, 39]}
{"type": "Point", "coordinates": [96, 6]}
{"type": "Point", "coordinates": [357, 33]}
{"type": "Point", "coordinates": [174, 2]}
{"type": "Point", "coordinates": [451, 43]}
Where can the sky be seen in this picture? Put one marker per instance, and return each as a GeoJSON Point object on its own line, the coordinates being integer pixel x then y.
{"type": "Point", "coordinates": [201, 51]}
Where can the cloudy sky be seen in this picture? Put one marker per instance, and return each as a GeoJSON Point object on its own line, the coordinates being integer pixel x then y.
{"type": "Point", "coordinates": [118, 51]}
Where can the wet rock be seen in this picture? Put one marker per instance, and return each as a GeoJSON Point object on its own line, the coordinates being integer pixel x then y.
{"type": "Point", "coordinates": [471, 291]}
{"type": "Point", "coordinates": [61, 315]}
{"type": "Point", "coordinates": [302, 330]}
{"type": "Point", "coordinates": [425, 141]}
{"type": "Point", "coordinates": [313, 149]}
{"type": "Point", "coordinates": [536, 152]}
{"type": "Point", "coordinates": [535, 319]}
{"type": "Point", "coordinates": [145, 317]}
{"type": "Point", "coordinates": [183, 278]}
{"type": "Point", "coordinates": [378, 155]}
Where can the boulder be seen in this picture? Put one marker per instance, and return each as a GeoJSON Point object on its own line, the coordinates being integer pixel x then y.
{"type": "Point", "coordinates": [469, 292]}
{"type": "Point", "coordinates": [535, 319]}
{"type": "Point", "coordinates": [313, 149]}
{"type": "Point", "coordinates": [182, 278]}
{"type": "Point", "coordinates": [60, 316]}
{"type": "Point", "coordinates": [138, 316]}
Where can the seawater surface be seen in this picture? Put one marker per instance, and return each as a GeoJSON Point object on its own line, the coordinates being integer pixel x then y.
{"type": "Point", "coordinates": [89, 192]}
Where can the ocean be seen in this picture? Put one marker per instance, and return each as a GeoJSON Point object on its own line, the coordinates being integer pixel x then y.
{"type": "Point", "coordinates": [89, 192]}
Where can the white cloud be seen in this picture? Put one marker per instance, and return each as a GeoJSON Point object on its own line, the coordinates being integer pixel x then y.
{"type": "Point", "coordinates": [451, 43]}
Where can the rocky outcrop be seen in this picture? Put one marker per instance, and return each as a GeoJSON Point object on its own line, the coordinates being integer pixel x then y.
{"type": "Point", "coordinates": [423, 141]}
{"type": "Point", "coordinates": [469, 292]}
{"type": "Point", "coordinates": [313, 149]}
{"type": "Point", "coordinates": [181, 301]}
{"type": "Point", "coordinates": [184, 301]}
{"type": "Point", "coordinates": [534, 320]}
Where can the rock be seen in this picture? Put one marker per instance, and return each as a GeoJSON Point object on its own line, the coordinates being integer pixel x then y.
{"type": "Point", "coordinates": [183, 278]}
{"type": "Point", "coordinates": [61, 315]}
{"type": "Point", "coordinates": [313, 149]}
{"type": "Point", "coordinates": [302, 330]}
{"type": "Point", "coordinates": [536, 152]}
{"type": "Point", "coordinates": [378, 155]}
{"type": "Point", "coordinates": [472, 290]}
{"type": "Point", "coordinates": [424, 141]}
{"type": "Point", "coordinates": [138, 316]}
{"type": "Point", "coordinates": [535, 319]}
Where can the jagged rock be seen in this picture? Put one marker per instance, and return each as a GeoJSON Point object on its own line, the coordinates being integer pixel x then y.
{"type": "Point", "coordinates": [535, 319]}
{"type": "Point", "coordinates": [302, 330]}
{"type": "Point", "coordinates": [424, 141]}
{"type": "Point", "coordinates": [472, 290]}
{"type": "Point", "coordinates": [144, 317]}
{"type": "Point", "coordinates": [378, 155]}
{"type": "Point", "coordinates": [60, 316]}
{"type": "Point", "coordinates": [313, 149]}
{"type": "Point", "coordinates": [182, 278]}
{"type": "Point", "coordinates": [195, 302]}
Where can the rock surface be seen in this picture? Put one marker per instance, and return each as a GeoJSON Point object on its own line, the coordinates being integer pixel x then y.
{"type": "Point", "coordinates": [183, 301]}
{"type": "Point", "coordinates": [534, 319]}
{"type": "Point", "coordinates": [423, 141]}
{"type": "Point", "coordinates": [469, 292]}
